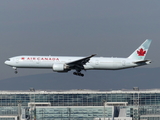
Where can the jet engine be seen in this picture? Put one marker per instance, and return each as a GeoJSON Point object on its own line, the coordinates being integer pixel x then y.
{"type": "Point", "coordinates": [59, 67]}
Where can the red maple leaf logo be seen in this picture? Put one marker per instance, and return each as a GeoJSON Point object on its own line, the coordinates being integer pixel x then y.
{"type": "Point", "coordinates": [22, 58]}
{"type": "Point", "coordinates": [141, 52]}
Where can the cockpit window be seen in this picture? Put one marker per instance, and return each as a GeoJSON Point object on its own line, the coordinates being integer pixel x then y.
{"type": "Point", "coordinates": [8, 59]}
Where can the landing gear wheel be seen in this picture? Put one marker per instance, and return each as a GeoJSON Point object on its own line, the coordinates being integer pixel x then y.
{"type": "Point", "coordinates": [74, 73]}
{"type": "Point", "coordinates": [78, 74]}
{"type": "Point", "coordinates": [82, 75]}
{"type": "Point", "coordinates": [16, 72]}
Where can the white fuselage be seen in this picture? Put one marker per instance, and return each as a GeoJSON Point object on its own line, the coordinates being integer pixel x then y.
{"type": "Point", "coordinates": [95, 63]}
{"type": "Point", "coordinates": [66, 63]}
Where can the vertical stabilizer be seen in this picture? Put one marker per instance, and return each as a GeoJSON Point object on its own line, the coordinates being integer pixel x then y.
{"type": "Point", "coordinates": [141, 52]}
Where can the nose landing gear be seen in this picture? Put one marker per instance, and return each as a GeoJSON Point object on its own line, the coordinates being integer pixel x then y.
{"type": "Point", "coordinates": [15, 70]}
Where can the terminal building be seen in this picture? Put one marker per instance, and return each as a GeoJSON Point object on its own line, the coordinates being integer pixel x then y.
{"type": "Point", "coordinates": [80, 104]}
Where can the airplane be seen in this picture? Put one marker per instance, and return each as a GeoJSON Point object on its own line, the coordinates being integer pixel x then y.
{"type": "Point", "coordinates": [67, 63]}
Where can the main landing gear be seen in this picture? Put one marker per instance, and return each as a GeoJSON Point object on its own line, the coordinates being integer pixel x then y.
{"type": "Point", "coordinates": [78, 73]}
{"type": "Point", "coordinates": [15, 70]}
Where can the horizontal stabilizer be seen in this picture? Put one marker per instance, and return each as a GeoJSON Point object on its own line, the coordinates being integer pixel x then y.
{"type": "Point", "coordinates": [143, 61]}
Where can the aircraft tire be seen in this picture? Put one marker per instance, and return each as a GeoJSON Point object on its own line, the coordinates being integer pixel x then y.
{"type": "Point", "coordinates": [79, 74]}
{"type": "Point", "coordinates": [74, 73]}
{"type": "Point", "coordinates": [82, 75]}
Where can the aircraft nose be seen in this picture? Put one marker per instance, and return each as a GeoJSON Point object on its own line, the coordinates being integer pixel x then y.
{"type": "Point", "coordinates": [7, 62]}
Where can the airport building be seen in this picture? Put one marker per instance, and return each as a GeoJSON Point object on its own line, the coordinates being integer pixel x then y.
{"type": "Point", "coordinates": [132, 104]}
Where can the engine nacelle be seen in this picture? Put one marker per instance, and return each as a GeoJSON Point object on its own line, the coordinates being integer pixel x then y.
{"type": "Point", "coordinates": [59, 67]}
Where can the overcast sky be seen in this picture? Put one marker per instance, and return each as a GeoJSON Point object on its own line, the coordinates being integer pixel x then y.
{"type": "Point", "coordinates": [109, 28]}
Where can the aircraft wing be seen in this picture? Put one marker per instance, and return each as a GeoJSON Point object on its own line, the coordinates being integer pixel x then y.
{"type": "Point", "coordinates": [79, 63]}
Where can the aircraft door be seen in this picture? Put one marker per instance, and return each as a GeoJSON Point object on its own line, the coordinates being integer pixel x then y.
{"type": "Point", "coordinates": [123, 63]}
{"type": "Point", "coordinates": [17, 60]}
{"type": "Point", "coordinates": [37, 61]}
{"type": "Point", "coordinates": [97, 62]}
